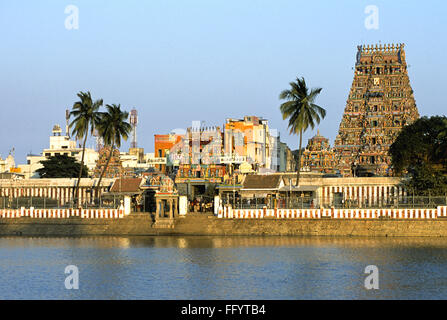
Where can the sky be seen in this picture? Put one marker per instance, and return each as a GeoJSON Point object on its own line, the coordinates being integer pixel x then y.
{"type": "Point", "coordinates": [200, 60]}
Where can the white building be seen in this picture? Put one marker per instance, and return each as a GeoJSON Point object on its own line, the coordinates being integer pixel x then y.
{"type": "Point", "coordinates": [7, 164]}
{"type": "Point", "coordinates": [59, 145]}
{"type": "Point", "coordinates": [129, 160]}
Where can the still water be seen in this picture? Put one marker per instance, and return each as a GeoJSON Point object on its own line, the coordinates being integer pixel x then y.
{"type": "Point", "coordinates": [223, 267]}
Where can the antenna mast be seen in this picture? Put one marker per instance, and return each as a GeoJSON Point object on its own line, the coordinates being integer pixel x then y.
{"type": "Point", "coordinates": [67, 118]}
{"type": "Point", "coordinates": [133, 122]}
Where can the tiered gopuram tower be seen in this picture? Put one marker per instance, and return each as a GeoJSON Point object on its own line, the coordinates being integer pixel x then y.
{"type": "Point", "coordinates": [318, 155]}
{"type": "Point", "coordinates": [380, 103]}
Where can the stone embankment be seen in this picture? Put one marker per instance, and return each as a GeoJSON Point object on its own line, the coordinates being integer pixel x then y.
{"type": "Point", "coordinates": [207, 224]}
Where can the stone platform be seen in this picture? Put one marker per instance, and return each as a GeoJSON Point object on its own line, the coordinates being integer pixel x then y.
{"type": "Point", "coordinates": [207, 224]}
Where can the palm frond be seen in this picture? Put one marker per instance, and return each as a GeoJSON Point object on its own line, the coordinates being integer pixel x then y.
{"type": "Point", "coordinates": [300, 108]}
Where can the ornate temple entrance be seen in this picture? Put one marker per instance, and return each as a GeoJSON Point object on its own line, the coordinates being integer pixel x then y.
{"type": "Point", "coordinates": [379, 104]}
{"type": "Point", "coordinates": [166, 203]}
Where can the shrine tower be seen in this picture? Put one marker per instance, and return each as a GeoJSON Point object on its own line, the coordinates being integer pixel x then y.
{"type": "Point", "coordinates": [379, 104]}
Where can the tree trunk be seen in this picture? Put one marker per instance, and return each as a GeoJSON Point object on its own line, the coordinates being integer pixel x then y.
{"type": "Point", "coordinates": [299, 159]}
{"type": "Point", "coordinates": [80, 173]}
{"type": "Point", "coordinates": [98, 187]}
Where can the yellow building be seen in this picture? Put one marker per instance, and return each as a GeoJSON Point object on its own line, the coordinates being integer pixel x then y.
{"type": "Point", "coordinates": [250, 138]}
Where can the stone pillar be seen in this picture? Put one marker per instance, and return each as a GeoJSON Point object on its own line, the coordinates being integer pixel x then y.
{"type": "Point", "coordinates": [318, 197]}
{"type": "Point", "coordinates": [126, 205]}
{"type": "Point", "coordinates": [183, 205]}
{"type": "Point", "coordinates": [157, 208]}
{"type": "Point", "coordinates": [171, 212]}
{"type": "Point", "coordinates": [216, 204]}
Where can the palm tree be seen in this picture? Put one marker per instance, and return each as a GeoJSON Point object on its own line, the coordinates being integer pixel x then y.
{"type": "Point", "coordinates": [301, 111]}
{"type": "Point", "coordinates": [86, 117]}
{"type": "Point", "coordinates": [112, 127]}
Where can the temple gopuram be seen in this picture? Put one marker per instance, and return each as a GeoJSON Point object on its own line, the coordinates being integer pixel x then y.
{"type": "Point", "coordinates": [318, 155]}
{"type": "Point", "coordinates": [114, 168]}
{"type": "Point", "coordinates": [380, 103]}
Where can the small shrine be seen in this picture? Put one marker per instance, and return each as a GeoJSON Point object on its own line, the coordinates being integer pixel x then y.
{"type": "Point", "coordinates": [166, 201]}
{"type": "Point", "coordinates": [318, 155]}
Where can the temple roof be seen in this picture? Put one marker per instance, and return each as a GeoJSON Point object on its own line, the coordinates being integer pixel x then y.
{"type": "Point", "coordinates": [318, 136]}
{"type": "Point", "coordinates": [127, 185]}
{"type": "Point", "coordinates": [262, 181]}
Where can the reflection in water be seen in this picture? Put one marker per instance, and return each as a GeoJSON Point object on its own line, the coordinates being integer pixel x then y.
{"type": "Point", "coordinates": [285, 241]}
{"type": "Point", "coordinates": [200, 267]}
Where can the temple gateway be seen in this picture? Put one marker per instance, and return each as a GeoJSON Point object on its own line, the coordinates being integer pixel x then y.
{"type": "Point", "coordinates": [379, 104]}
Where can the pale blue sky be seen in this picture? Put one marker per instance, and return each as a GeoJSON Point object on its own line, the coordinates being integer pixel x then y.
{"type": "Point", "coordinates": [179, 61]}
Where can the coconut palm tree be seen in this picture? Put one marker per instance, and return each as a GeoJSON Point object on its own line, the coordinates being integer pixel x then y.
{"type": "Point", "coordinates": [301, 111]}
{"type": "Point", "coordinates": [112, 127]}
{"type": "Point", "coordinates": [86, 117]}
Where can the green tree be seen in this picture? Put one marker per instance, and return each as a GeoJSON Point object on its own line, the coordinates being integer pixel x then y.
{"type": "Point", "coordinates": [419, 153]}
{"type": "Point", "coordinates": [62, 166]}
{"type": "Point", "coordinates": [112, 127]}
{"type": "Point", "coordinates": [86, 118]}
{"type": "Point", "coordinates": [301, 111]}
{"type": "Point", "coordinates": [441, 149]}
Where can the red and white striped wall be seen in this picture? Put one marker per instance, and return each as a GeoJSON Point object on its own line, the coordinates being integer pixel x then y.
{"type": "Point", "coordinates": [62, 213]}
{"type": "Point", "coordinates": [229, 213]}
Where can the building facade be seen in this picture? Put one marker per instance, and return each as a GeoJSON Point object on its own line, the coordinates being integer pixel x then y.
{"type": "Point", "coordinates": [163, 143]}
{"type": "Point", "coordinates": [197, 161]}
{"type": "Point", "coordinates": [8, 164]}
{"type": "Point", "coordinates": [316, 190]}
{"type": "Point", "coordinates": [249, 137]}
{"type": "Point", "coordinates": [60, 144]}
